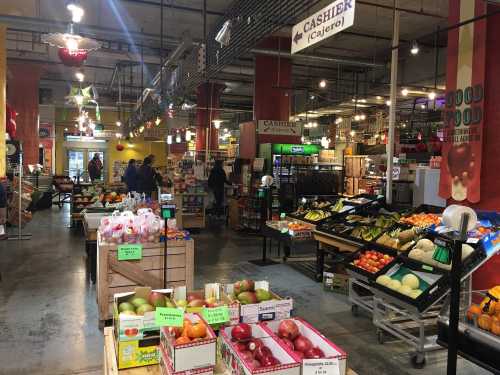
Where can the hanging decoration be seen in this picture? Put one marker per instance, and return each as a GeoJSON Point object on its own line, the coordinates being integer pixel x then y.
{"type": "Point", "coordinates": [72, 58]}
{"type": "Point", "coordinates": [120, 147]}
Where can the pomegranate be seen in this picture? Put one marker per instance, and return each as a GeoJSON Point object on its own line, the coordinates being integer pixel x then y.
{"type": "Point", "coordinates": [314, 353]}
{"type": "Point", "coordinates": [288, 329]}
{"type": "Point", "coordinates": [247, 356]}
{"type": "Point", "coordinates": [241, 331]}
{"type": "Point", "coordinates": [254, 364]}
{"type": "Point", "coordinates": [288, 343]}
{"type": "Point", "coordinates": [254, 344]}
{"type": "Point", "coordinates": [262, 352]}
{"type": "Point", "coordinates": [269, 361]}
{"type": "Point", "coordinates": [299, 354]}
{"type": "Point", "coordinates": [302, 344]}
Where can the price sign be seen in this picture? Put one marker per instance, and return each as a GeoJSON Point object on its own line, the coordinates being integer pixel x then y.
{"type": "Point", "coordinates": [216, 315]}
{"type": "Point", "coordinates": [169, 316]}
{"type": "Point", "coordinates": [168, 211]}
{"type": "Point", "coordinates": [321, 367]}
{"type": "Point", "coordinates": [130, 252]}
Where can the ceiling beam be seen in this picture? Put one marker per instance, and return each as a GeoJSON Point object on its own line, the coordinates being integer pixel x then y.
{"type": "Point", "coordinates": [405, 10]}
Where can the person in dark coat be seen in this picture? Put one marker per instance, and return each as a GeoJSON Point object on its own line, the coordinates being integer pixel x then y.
{"type": "Point", "coordinates": [146, 178]}
{"type": "Point", "coordinates": [94, 168]}
{"type": "Point", "coordinates": [130, 176]}
{"type": "Point", "coordinates": [216, 181]}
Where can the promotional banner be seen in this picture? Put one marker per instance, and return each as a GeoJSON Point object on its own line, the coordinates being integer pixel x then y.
{"type": "Point", "coordinates": [464, 112]}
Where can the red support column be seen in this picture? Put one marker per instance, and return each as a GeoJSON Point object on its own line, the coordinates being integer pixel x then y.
{"type": "Point", "coordinates": [208, 102]}
{"type": "Point", "coordinates": [22, 96]}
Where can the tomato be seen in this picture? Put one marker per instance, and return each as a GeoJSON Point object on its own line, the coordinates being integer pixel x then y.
{"type": "Point", "coordinates": [197, 330]}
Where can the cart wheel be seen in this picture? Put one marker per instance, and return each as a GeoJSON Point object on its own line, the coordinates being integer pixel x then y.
{"type": "Point", "coordinates": [380, 336]}
{"type": "Point", "coordinates": [355, 310]}
{"type": "Point", "coordinates": [418, 360]}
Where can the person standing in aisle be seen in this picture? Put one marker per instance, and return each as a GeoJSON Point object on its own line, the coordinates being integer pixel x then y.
{"type": "Point", "coordinates": [95, 168]}
{"type": "Point", "coordinates": [216, 181]}
{"type": "Point", "coordinates": [146, 182]}
{"type": "Point", "coordinates": [3, 211]}
{"type": "Point", "coordinates": [130, 176]}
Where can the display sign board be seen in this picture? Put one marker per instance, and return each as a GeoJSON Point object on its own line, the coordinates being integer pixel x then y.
{"type": "Point", "coordinates": [168, 211]}
{"type": "Point", "coordinates": [329, 21]}
{"type": "Point", "coordinates": [460, 177]}
{"type": "Point", "coordinates": [321, 367]}
{"type": "Point", "coordinates": [289, 149]}
{"type": "Point", "coordinates": [169, 317]}
{"type": "Point", "coordinates": [130, 252]}
{"type": "Point", "coordinates": [272, 127]}
{"type": "Point", "coordinates": [216, 315]}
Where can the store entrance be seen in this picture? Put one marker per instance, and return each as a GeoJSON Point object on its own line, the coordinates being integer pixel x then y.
{"type": "Point", "coordinates": [77, 161]}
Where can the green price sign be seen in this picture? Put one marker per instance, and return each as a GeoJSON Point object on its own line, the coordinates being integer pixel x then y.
{"type": "Point", "coordinates": [169, 316]}
{"type": "Point", "coordinates": [130, 252]}
{"type": "Point", "coordinates": [216, 315]}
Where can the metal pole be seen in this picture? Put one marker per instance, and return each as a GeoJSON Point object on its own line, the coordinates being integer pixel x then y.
{"type": "Point", "coordinates": [207, 88]}
{"type": "Point", "coordinates": [392, 108]}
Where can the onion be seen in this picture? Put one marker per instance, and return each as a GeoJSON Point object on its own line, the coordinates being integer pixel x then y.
{"type": "Point", "coordinates": [261, 352]}
{"type": "Point", "coordinates": [241, 331]}
{"type": "Point", "coordinates": [288, 343]}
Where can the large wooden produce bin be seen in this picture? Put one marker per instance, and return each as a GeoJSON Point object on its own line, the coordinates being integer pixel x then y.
{"type": "Point", "coordinates": [115, 276]}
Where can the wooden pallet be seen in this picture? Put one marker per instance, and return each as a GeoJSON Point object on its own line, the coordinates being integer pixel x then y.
{"type": "Point", "coordinates": [115, 276]}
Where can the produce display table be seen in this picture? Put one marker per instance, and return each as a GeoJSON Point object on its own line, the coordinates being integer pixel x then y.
{"type": "Point", "coordinates": [328, 243]}
{"type": "Point", "coordinates": [286, 239]}
{"type": "Point", "coordinates": [114, 276]}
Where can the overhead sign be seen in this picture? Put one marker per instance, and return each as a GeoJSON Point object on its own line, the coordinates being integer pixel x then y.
{"type": "Point", "coordinates": [329, 21]}
{"type": "Point", "coordinates": [289, 149]}
{"type": "Point", "coordinates": [273, 127]}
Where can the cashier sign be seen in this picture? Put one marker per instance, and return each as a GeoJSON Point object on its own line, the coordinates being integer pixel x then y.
{"type": "Point", "coordinates": [329, 21]}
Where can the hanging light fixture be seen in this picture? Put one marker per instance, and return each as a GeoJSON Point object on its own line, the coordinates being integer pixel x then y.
{"type": "Point", "coordinates": [352, 133]}
{"type": "Point", "coordinates": [217, 123]}
{"type": "Point", "coordinates": [322, 83]}
{"type": "Point", "coordinates": [357, 117]}
{"type": "Point", "coordinates": [158, 121]}
{"type": "Point", "coordinates": [404, 92]}
{"type": "Point", "coordinates": [118, 123]}
{"type": "Point", "coordinates": [169, 139]}
{"type": "Point", "coordinates": [432, 95]}
{"type": "Point", "coordinates": [178, 138]}
{"type": "Point", "coordinates": [79, 75]}
{"type": "Point", "coordinates": [388, 103]}
{"type": "Point", "coordinates": [414, 48]}
{"type": "Point", "coordinates": [76, 11]}
{"type": "Point", "coordinates": [362, 117]}
{"type": "Point", "coordinates": [188, 135]}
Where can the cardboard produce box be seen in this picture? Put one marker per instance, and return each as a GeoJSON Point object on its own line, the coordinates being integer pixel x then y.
{"type": "Point", "coordinates": [166, 367]}
{"type": "Point", "coordinates": [137, 353]}
{"type": "Point", "coordinates": [211, 297]}
{"type": "Point", "coordinates": [334, 356]}
{"type": "Point", "coordinates": [237, 365]}
{"type": "Point", "coordinates": [197, 354]}
{"type": "Point", "coordinates": [276, 308]}
{"type": "Point", "coordinates": [134, 327]}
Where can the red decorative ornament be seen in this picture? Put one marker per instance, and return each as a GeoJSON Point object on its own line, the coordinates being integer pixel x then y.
{"type": "Point", "coordinates": [74, 58]}
{"type": "Point", "coordinates": [120, 147]}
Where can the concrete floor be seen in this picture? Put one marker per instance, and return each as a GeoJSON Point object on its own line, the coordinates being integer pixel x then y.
{"type": "Point", "coordinates": [48, 313]}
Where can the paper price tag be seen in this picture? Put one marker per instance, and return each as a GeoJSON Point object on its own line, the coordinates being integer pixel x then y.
{"type": "Point", "coordinates": [169, 316]}
{"type": "Point", "coordinates": [216, 315]}
{"type": "Point", "coordinates": [321, 367]}
{"type": "Point", "coordinates": [130, 252]}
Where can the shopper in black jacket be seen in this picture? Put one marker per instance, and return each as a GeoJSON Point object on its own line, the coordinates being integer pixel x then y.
{"type": "Point", "coordinates": [216, 181]}
{"type": "Point", "coordinates": [146, 181]}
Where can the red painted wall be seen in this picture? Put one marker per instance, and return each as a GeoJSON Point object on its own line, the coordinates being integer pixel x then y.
{"type": "Point", "coordinates": [22, 95]}
{"type": "Point", "coordinates": [248, 141]}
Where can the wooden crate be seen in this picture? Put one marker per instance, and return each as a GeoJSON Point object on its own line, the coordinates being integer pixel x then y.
{"type": "Point", "coordinates": [115, 276]}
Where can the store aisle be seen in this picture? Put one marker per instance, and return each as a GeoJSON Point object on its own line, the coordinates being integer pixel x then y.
{"type": "Point", "coordinates": [48, 313]}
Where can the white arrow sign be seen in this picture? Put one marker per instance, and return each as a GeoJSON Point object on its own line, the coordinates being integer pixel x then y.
{"type": "Point", "coordinates": [329, 21]}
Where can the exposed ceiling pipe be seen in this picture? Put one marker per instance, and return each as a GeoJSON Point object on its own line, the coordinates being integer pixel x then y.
{"type": "Point", "coordinates": [175, 7]}
{"type": "Point", "coordinates": [405, 10]}
{"type": "Point", "coordinates": [335, 60]}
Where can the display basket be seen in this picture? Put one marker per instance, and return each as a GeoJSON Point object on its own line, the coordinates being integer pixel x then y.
{"type": "Point", "coordinates": [437, 285]}
{"type": "Point", "coordinates": [360, 273]}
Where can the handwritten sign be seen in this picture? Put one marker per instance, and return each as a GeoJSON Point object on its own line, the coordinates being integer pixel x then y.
{"type": "Point", "coordinates": [169, 317]}
{"type": "Point", "coordinates": [130, 252]}
{"type": "Point", "coordinates": [216, 315]}
{"type": "Point", "coordinates": [321, 367]}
